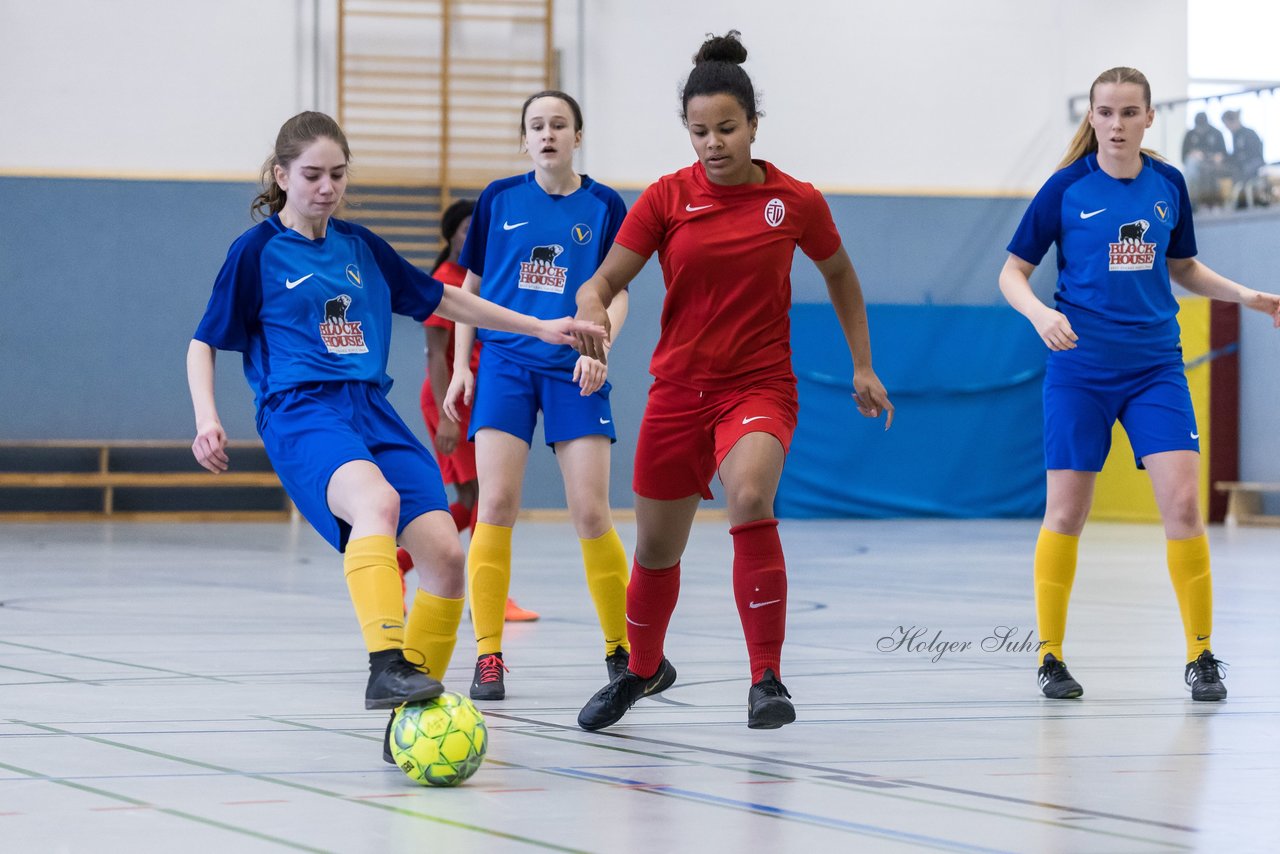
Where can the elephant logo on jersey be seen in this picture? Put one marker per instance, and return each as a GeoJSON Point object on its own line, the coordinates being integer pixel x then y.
{"type": "Point", "coordinates": [1131, 252]}
{"type": "Point", "coordinates": [540, 272]}
{"type": "Point", "coordinates": [339, 334]}
{"type": "Point", "coordinates": [774, 211]}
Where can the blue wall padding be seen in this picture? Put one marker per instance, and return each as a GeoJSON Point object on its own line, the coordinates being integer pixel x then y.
{"type": "Point", "coordinates": [967, 440]}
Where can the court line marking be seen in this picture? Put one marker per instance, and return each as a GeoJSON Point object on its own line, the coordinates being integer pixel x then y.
{"type": "Point", "coordinates": [53, 676]}
{"type": "Point", "coordinates": [779, 812]}
{"type": "Point", "coordinates": [82, 657]}
{"type": "Point", "coordinates": [134, 803]}
{"type": "Point", "coordinates": [878, 791]}
{"type": "Point", "coordinates": [314, 790]}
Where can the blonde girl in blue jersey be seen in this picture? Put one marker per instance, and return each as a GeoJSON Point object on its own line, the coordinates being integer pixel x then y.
{"type": "Point", "coordinates": [307, 298]}
{"type": "Point", "coordinates": [1121, 219]}
{"type": "Point", "coordinates": [534, 238]}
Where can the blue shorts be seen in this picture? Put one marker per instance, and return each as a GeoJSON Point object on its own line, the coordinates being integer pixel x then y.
{"type": "Point", "coordinates": [508, 396]}
{"type": "Point", "coordinates": [311, 430]}
{"type": "Point", "coordinates": [1082, 403]}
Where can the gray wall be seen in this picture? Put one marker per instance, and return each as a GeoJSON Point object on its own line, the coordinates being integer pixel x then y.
{"type": "Point", "coordinates": [1244, 248]}
{"type": "Point", "coordinates": [106, 279]}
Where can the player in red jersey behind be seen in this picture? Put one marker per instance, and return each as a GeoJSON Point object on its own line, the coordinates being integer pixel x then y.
{"type": "Point", "coordinates": [457, 456]}
{"type": "Point", "coordinates": [724, 393]}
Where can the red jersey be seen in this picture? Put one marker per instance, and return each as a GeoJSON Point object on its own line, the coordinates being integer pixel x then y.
{"type": "Point", "coordinates": [451, 274]}
{"type": "Point", "coordinates": [726, 256]}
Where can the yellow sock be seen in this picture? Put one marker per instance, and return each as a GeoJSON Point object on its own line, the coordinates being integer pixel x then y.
{"type": "Point", "coordinates": [488, 581]}
{"type": "Point", "coordinates": [1193, 584]}
{"type": "Point", "coordinates": [431, 632]}
{"type": "Point", "coordinates": [374, 582]}
{"type": "Point", "coordinates": [606, 563]}
{"type": "Point", "coordinates": [1055, 570]}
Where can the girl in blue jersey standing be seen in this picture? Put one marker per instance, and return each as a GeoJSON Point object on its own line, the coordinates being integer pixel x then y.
{"type": "Point", "coordinates": [1121, 219]}
{"type": "Point", "coordinates": [307, 298]}
{"type": "Point", "coordinates": [534, 238]}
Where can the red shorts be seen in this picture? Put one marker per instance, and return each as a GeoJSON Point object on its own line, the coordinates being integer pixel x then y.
{"type": "Point", "coordinates": [460, 466]}
{"type": "Point", "coordinates": [685, 433]}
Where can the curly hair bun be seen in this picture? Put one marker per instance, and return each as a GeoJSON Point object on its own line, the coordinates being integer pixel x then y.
{"type": "Point", "coordinates": [725, 48]}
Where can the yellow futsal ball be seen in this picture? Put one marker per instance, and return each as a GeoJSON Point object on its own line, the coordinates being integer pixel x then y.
{"type": "Point", "coordinates": [439, 742]}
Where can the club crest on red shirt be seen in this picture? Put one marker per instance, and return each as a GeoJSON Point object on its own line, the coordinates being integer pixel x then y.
{"type": "Point", "coordinates": [774, 211]}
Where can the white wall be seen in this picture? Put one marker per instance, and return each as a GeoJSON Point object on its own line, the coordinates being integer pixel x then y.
{"type": "Point", "coordinates": [1233, 39]}
{"type": "Point", "coordinates": [928, 96]}
{"type": "Point", "coordinates": [151, 87]}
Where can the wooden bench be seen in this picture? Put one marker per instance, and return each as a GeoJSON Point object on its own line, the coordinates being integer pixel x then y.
{"type": "Point", "coordinates": [1244, 502]}
{"type": "Point", "coordinates": [62, 480]}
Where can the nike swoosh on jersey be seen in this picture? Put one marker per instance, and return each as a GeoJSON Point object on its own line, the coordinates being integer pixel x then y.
{"type": "Point", "coordinates": [692, 209]}
{"type": "Point", "coordinates": [1084, 215]}
{"type": "Point", "coordinates": [508, 226]}
{"type": "Point", "coordinates": [290, 285]}
{"type": "Point", "coordinates": [1195, 435]}
{"type": "Point", "coordinates": [606, 420]}
{"type": "Point", "coordinates": [753, 418]}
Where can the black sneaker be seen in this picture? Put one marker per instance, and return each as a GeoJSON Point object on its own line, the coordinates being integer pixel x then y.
{"type": "Point", "coordinates": [616, 662]}
{"type": "Point", "coordinates": [769, 704]}
{"type": "Point", "coordinates": [487, 684]}
{"type": "Point", "coordinates": [1055, 681]}
{"type": "Point", "coordinates": [1204, 677]}
{"type": "Point", "coordinates": [393, 681]}
{"type": "Point", "coordinates": [386, 741]}
{"type": "Point", "coordinates": [611, 702]}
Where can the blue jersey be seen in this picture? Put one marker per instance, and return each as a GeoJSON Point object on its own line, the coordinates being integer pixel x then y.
{"type": "Point", "coordinates": [533, 250]}
{"type": "Point", "coordinates": [1113, 236]}
{"type": "Point", "coordinates": [304, 311]}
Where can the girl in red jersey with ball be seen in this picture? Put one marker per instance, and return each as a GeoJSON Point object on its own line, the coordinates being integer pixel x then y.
{"type": "Point", "coordinates": [724, 393]}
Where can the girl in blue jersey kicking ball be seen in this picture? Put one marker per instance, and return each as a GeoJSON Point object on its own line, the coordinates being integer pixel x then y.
{"type": "Point", "coordinates": [307, 299]}
{"type": "Point", "coordinates": [534, 239]}
{"type": "Point", "coordinates": [1121, 219]}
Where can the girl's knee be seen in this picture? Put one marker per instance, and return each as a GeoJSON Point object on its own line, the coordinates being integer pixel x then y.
{"type": "Point", "coordinates": [442, 567]}
{"type": "Point", "coordinates": [593, 522]}
{"type": "Point", "coordinates": [1183, 518]}
{"type": "Point", "coordinates": [657, 553]}
{"type": "Point", "coordinates": [750, 502]}
{"type": "Point", "coordinates": [380, 506]}
{"type": "Point", "coordinates": [499, 509]}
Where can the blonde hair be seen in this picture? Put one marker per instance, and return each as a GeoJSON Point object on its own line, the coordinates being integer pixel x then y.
{"type": "Point", "coordinates": [1086, 141]}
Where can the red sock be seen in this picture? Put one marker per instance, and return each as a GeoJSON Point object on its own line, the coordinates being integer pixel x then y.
{"type": "Point", "coordinates": [760, 588]}
{"type": "Point", "coordinates": [461, 514]}
{"type": "Point", "coordinates": [651, 598]}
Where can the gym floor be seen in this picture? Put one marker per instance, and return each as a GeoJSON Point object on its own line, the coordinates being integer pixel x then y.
{"type": "Point", "coordinates": [200, 688]}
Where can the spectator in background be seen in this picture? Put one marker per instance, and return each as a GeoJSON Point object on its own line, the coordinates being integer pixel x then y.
{"type": "Point", "coordinates": [1204, 161]}
{"type": "Point", "coordinates": [1245, 160]}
